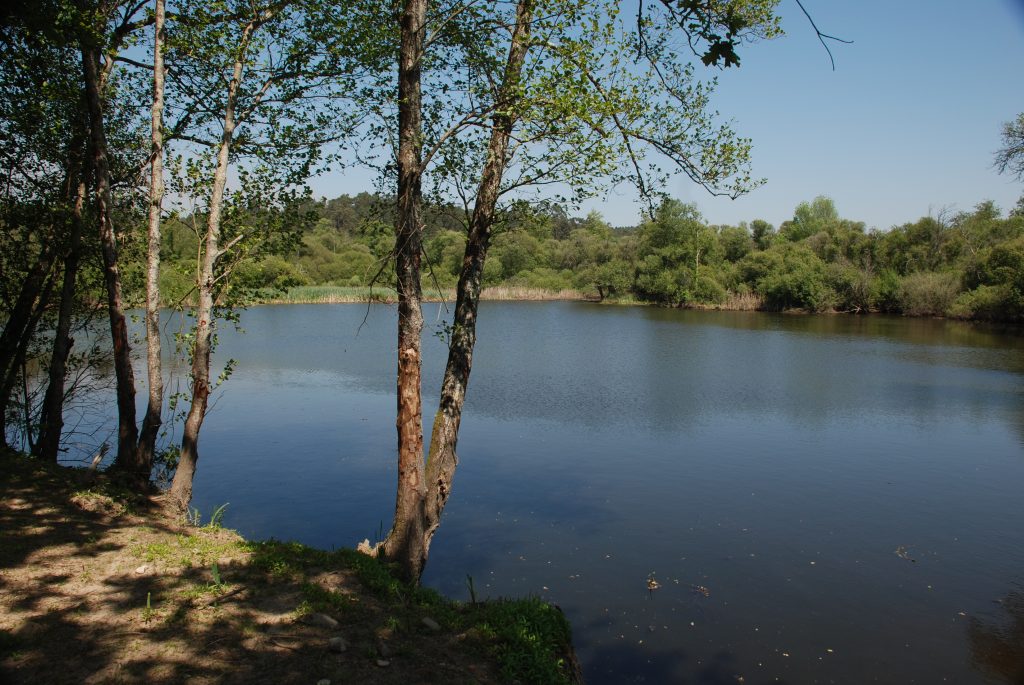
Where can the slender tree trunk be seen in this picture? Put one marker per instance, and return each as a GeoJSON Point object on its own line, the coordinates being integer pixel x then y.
{"type": "Point", "coordinates": [127, 432]}
{"type": "Point", "coordinates": [181, 486]}
{"type": "Point", "coordinates": [17, 367]}
{"type": "Point", "coordinates": [52, 417]}
{"type": "Point", "coordinates": [442, 459]}
{"type": "Point", "coordinates": [151, 422]}
{"type": "Point", "coordinates": [406, 542]}
{"type": "Point", "coordinates": [18, 323]}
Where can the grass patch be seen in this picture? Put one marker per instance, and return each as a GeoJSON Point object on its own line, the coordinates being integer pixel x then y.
{"type": "Point", "coordinates": [319, 599]}
{"type": "Point", "coordinates": [528, 638]}
{"type": "Point", "coordinates": [198, 549]}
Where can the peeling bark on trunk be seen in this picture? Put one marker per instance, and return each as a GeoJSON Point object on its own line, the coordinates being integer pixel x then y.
{"type": "Point", "coordinates": [181, 486]}
{"type": "Point", "coordinates": [127, 431]}
{"type": "Point", "coordinates": [51, 422]}
{"type": "Point", "coordinates": [406, 543]}
{"type": "Point", "coordinates": [151, 422]}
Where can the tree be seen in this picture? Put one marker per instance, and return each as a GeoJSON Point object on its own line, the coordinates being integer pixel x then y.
{"type": "Point", "coordinates": [41, 155]}
{"type": "Point", "coordinates": [271, 81]}
{"type": "Point", "coordinates": [154, 405]}
{"type": "Point", "coordinates": [674, 242]}
{"type": "Point", "coordinates": [761, 232]}
{"type": "Point", "coordinates": [93, 40]}
{"type": "Point", "coordinates": [810, 218]}
{"type": "Point", "coordinates": [549, 99]}
{"type": "Point", "coordinates": [1010, 157]}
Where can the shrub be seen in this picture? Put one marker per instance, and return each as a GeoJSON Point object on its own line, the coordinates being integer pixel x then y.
{"type": "Point", "coordinates": [984, 302]}
{"type": "Point", "coordinates": [798, 282]}
{"type": "Point", "coordinates": [707, 290]}
{"type": "Point", "coordinates": [928, 293]}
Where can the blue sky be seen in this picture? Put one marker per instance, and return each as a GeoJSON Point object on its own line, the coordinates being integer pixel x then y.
{"type": "Point", "coordinates": [905, 126]}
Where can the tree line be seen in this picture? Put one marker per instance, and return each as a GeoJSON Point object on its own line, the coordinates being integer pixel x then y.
{"type": "Point", "coordinates": [157, 152]}
{"type": "Point", "coordinates": [965, 264]}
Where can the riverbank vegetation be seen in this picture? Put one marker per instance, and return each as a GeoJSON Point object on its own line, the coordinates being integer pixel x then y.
{"type": "Point", "coordinates": [967, 264]}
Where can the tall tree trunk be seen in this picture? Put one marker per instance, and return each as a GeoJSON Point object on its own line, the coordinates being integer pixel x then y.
{"type": "Point", "coordinates": [17, 368]}
{"type": "Point", "coordinates": [151, 422]}
{"type": "Point", "coordinates": [442, 459]}
{"type": "Point", "coordinates": [406, 542]}
{"type": "Point", "coordinates": [51, 421]}
{"type": "Point", "coordinates": [181, 486]}
{"type": "Point", "coordinates": [18, 322]}
{"type": "Point", "coordinates": [127, 432]}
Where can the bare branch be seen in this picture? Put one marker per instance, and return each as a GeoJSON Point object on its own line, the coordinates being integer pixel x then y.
{"type": "Point", "coordinates": [822, 36]}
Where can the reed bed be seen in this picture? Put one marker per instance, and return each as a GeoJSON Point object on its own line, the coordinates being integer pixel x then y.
{"type": "Point", "coordinates": [503, 292]}
{"type": "Point", "coordinates": [328, 294]}
{"type": "Point", "coordinates": [742, 302]}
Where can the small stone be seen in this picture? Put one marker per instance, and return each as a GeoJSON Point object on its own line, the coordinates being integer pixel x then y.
{"type": "Point", "coordinates": [383, 663]}
{"type": "Point", "coordinates": [337, 645]}
{"type": "Point", "coordinates": [431, 623]}
{"type": "Point", "coordinates": [141, 570]}
{"type": "Point", "coordinates": [323, 681]}
{"type": "Point", "coordinates": [321, 621]}
{"type": "Point", "coordinates": [383, 649]}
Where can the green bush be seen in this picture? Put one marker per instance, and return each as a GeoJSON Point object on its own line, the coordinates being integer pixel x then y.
{"type": "Point", "coordinates": [543, 278]}
{"type": "Point", "coordinates": [707, 289]}
{"type": "Point", "coordinates": [986, 302]}
{"type": "Point", "coordinates": [798, 282]}
{"type": "Point", "coordinates": [885, 289]}
{"type": "Point", "coordinates": [852, 287]}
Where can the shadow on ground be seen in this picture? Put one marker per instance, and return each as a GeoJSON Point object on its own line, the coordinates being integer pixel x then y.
{"type": "Point", "coordinates": [96, 587]}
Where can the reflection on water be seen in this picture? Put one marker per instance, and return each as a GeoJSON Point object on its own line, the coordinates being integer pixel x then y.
{"type": "Point", "coordinates": [845, 489]}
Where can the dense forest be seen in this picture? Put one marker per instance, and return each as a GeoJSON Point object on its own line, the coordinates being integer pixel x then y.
{"type": "Point", "coordinates": [966, 264]}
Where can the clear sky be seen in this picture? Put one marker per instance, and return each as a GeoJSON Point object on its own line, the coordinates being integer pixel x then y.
{"type": "Point", "coordinates": [906, 125]}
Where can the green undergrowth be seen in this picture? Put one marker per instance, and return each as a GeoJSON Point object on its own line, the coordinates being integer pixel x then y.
{"type": "Point", "coordinates": [528, 638]}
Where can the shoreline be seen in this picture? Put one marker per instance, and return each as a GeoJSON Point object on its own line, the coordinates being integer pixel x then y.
{"type": "Point", "coordinates": [507, 294]}
{"type": "Point", "coordinates": [105, 585]}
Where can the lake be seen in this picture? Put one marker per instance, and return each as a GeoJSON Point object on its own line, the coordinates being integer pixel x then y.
{"type": "Point", "coordinates": [828, 499]}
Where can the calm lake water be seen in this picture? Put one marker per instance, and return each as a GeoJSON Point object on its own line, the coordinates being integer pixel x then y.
{"type": "Point", "coordinates": [821, 499]}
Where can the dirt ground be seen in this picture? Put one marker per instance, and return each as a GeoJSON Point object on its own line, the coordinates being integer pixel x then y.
{"type": "Point", "coordinates": [97, 587]}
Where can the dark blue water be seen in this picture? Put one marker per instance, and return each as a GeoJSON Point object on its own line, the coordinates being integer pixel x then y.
{"type": "Point", "coordinates": [819, 499]}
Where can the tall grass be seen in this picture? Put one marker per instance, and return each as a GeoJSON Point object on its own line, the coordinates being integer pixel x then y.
{"type": "Point", "coordinates": [505, 292]}
{"type": "Point", "coordinates": [742, 302]}
{"type": "Point", "coordinates": [331, 294]}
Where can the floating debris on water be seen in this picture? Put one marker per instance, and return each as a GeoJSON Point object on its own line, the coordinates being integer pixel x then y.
{"type": "Point", "coordinates": [903, 553]}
